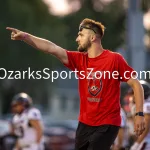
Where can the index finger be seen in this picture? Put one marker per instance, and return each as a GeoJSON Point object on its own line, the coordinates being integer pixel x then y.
{"type": "Point", "coordinates": [11, 29]}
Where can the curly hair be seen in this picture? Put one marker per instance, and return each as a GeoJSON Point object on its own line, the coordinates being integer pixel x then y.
{"type": "Point", "coordinates": [97, 27]}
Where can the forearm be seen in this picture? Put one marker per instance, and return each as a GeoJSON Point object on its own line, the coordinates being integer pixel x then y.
{"type": "Point", "coordinates": [40, 43]}
{"type": "Point", "coordinates": [17, 146]}
{"type": "Point", "coordinates": [120, 137]}
{"type": "Point", "coordinates": [39, 136]}
{"type": "Point", "coordinates": [139, 97]}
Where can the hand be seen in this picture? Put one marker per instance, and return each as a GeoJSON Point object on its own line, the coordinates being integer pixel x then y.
{"type": "Point", "coordinates": [17, 146]}
{"type": "Point", "coordinates": [16, 34]}
{"type": "Point", "coordinates": [139, 125]}
{"type": "Point", "coordinates": [17, 149]}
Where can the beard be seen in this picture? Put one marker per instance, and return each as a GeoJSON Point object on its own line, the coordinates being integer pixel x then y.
{"type": "Point", "coordinates": [84, 47]}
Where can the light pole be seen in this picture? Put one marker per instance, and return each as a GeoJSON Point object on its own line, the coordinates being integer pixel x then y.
{"type": "Point", "coordinates": [135, 37]}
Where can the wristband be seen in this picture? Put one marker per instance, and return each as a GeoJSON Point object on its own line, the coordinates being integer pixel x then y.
{"type": "Point", "coordinates": [139, 114]}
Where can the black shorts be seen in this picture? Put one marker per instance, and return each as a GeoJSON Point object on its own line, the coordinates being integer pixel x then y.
{"type": "Point", "coordinates": [95, 137]}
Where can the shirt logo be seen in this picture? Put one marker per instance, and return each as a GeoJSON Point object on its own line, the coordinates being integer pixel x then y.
{"type": "Point", "coordinates": [94, 84]}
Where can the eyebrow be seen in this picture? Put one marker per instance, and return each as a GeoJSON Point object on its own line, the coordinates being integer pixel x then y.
{"type": "Point", "coordinates": [80, 33]}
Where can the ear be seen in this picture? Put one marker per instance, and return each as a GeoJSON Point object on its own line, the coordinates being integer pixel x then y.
{"type": "Point", "coordinates": [93, 38]}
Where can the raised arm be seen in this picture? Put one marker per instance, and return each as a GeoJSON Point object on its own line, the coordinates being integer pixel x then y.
{"type": "Point", "coordinates": [39, 43]}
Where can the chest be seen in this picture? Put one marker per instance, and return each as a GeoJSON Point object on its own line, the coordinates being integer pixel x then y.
{"type": "Point", "coordinates": [103, 67]}
{"type": "Point", "coordinates": [21, 121]}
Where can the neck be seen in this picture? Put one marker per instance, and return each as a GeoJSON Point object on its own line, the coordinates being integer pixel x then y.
{"type": "Point", "coordinates": [95, 50]}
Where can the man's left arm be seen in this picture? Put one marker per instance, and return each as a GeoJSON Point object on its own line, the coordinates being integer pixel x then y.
{"type": "Point", "coordinates": [39, 129]}
{"type": "Point", "coordinates": [120, 136]}
{"type": "Point", "coordinates": [139, 124]}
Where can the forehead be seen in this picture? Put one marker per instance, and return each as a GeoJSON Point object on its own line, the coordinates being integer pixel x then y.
{"type": "Point", "coordinates": [84, 31]}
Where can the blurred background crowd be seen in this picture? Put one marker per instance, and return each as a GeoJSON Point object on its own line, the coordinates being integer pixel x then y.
{"type": "Point", "coordinates": [127, 31]}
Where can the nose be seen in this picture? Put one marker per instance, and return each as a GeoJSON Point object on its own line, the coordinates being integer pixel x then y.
{"type": "Point", "coordinates": [77, 39]}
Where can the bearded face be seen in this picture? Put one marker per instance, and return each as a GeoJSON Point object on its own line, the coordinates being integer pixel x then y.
{"type": "Point", "coordinates": [83, 40]}
{"type": "Point", "coordinates": [83, 47]}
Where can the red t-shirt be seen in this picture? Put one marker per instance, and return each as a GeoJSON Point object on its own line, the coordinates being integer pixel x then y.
{"type": "Point", "coordinates": [99, 85]}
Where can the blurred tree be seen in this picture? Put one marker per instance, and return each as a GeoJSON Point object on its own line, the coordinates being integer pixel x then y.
{"type": "Point", "coordinates": [145, 5]}
{"type": "Point", "coordinates": [33, 17]}
{"type": "Point", "coordinates": [112, 15]}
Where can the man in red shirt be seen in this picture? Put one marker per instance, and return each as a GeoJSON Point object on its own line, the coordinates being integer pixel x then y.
{"type": "Point", "coordinates": [100, 72]}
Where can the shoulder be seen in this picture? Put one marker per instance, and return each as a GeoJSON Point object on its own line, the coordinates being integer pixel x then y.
{"type": "Point", "coordinates": [112, 53]}
{"type": "Point", "coordinates": [33, 109]}
{"type": "Point", "coordinates": [114, 57]}
{"type": "Point", "coordinates": [76, 53]}
{"type": "Point", "coordinates": [119, 58]}
{"type": "Point", "coordinates": [116, 54]}
{"type": "Point", "coordinates": [34, 112]}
